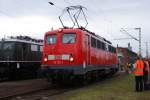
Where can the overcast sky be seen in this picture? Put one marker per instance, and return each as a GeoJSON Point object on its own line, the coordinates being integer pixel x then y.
{"type": "Point", "coordinates": [105, 17]}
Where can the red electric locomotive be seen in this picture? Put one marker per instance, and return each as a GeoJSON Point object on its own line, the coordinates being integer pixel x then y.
{"type": "Point", "coordinates": [76, 53]}
{"type": "Point", "coordinates": [72, 52]}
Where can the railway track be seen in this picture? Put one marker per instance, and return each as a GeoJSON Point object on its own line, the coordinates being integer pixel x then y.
{"type": "Point", "coordinates": [11, 89]}
{"type": "Point", "coordinates": [33, 90]}
{"type": "Point", "coordinates": [52, 93]}
{"type": "Point", "coordinates": [30, 90]}
{"type": "Point", "coordinates": [44, 94]}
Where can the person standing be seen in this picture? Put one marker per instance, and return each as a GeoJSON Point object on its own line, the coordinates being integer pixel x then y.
{"type": "Point", "coordinates": [146, 72]}
{"type": "Point", "coordinates": [139, 66]}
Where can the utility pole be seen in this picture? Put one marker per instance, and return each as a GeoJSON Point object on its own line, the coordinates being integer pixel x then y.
{"type": "Point", "coordinates": [140, 54]}
{"type": "Point", "coordinates": [132, 37]}
{"type": "Point", "coordinates": [146, 49]}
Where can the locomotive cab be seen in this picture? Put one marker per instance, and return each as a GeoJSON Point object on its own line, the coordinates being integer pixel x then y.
{"type": "Point", "coordinates": [62, 51]}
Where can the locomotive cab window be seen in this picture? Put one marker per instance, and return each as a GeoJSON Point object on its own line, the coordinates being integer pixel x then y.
{"type": "Point", "coordinates": [69, 38]}
{"type": "Point", "coordinates": [51, 39]}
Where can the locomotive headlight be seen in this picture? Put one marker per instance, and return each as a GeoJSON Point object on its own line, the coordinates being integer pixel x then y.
{"type": "Point", "coordinates": [60, 30]}
{"type": "Point", "coordinates": [45, 59]}
{"type": "Point", "coordinates": [71, 59]}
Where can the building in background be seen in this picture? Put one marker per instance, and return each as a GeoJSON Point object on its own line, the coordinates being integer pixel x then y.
{"type": "Point", "coordinates": [125, 56]}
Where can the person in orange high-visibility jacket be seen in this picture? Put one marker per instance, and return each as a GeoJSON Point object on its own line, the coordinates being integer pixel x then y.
{"type": "Point", "coordinates": [139, 82]}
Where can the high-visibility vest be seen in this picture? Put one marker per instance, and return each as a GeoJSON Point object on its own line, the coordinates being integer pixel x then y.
{"type": "Point", "coordinates": [139, 66]}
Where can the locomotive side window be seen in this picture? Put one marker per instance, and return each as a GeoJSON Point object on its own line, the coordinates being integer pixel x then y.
{"type": "Point", "coordinates": [0, 45]}
{"type": "Point", "coordinates": [103, 46]}
{"type": "Point", "coordinates": [41, 48]}
{"type": "Point", "coordinates": [8, 46]}
{"type": "Point", "coordinates": [106, 47]}
{"type": "Point", "coordinates": [51, 39]}
{"type": "Point", "coordinates": [112, 49]}
{"type": "Point", "coordinates": [69, 38]}
{"type": "Point", "coordinates": [99, 44]}
{"type": "Point", "coordinates": [34, 47]}
{"type": "Point", "coordinates": [93, 42]}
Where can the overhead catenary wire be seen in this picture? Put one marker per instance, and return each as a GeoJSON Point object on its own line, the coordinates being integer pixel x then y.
{"type": "Point", "coordinates": [125, 32]}
{"type": "Point", "coordinates": [139, 38]}
{"type": "Point", "coordinates": [67, 2]}
{"type": "Point", "coordinates": [122, 38]}
{"type": "Point", "coordinates": [5, 14]}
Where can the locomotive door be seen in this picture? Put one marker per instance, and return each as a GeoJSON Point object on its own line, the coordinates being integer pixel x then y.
{"type": "Point", "coordinates": [87, 50]}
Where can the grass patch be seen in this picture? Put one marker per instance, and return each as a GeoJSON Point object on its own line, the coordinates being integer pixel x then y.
{"type": "Point", "coordinates": [116, 88]}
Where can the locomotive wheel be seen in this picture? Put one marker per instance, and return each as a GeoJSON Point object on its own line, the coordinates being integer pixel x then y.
{"type": "Point", "coordinates": [113, 71]}
{"type": "Point", "coordinates": [84, 79]}
{"type": "Point", "coordinates": [96, 76]}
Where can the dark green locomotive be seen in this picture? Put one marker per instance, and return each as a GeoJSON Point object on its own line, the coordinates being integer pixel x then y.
{"type": "Point", "coordinates": [20, 57]}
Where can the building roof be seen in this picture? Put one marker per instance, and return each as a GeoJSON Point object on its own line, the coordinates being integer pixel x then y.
{"type": "Point", "coordinates": [125, 48]}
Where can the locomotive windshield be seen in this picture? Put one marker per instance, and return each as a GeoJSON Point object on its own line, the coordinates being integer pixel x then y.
{"type": "Point", "coordinates": [51, 39]}
{"type": "Point", "coordinates": [69, 38]}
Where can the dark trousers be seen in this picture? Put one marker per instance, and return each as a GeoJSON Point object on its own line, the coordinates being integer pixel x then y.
{"type": "Point", "coordinates": [145, 78]}
{"type": "Point", "coordinates": [139, 83]}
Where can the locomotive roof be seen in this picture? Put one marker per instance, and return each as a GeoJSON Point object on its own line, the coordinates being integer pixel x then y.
{"type": "Point", "coordinates": [83, 29]}
{"type": "Point", "coordinates": [21, 41]}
